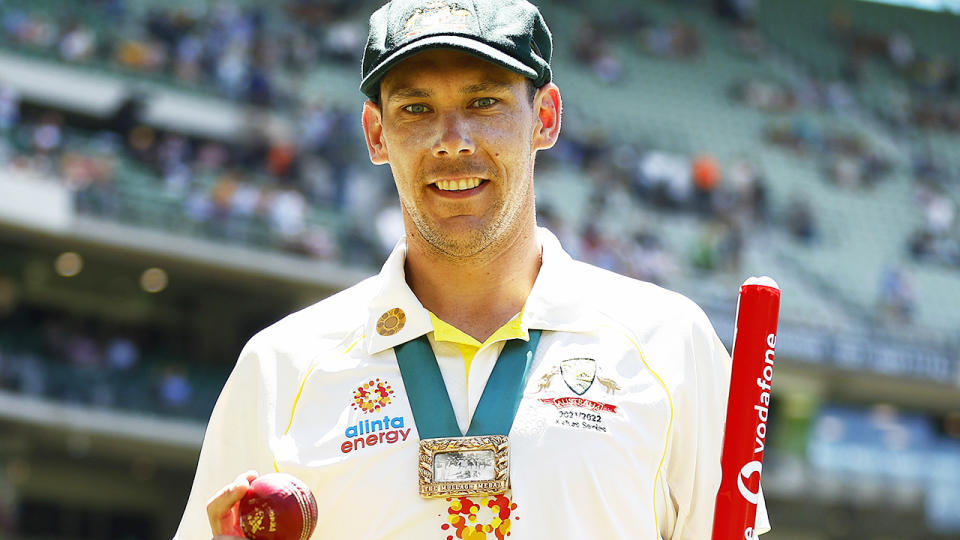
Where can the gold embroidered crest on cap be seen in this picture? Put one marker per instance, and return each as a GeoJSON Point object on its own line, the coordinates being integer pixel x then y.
{"type": "Point", "coordinates": [437, 17]}
{"type": "Point", "coordinates": [391, 322]}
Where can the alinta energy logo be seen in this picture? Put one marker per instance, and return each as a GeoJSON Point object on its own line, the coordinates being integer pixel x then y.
{"type": "Point", "coordinates": [484, 520]}
{"type": "Point", "coordinates": [372, 396]}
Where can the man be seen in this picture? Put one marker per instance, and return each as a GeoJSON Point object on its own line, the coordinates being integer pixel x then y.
{"type": "Point", "coordinates": [611, 420]}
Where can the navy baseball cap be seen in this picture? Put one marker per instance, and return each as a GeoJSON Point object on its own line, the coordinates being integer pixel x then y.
{"type": "Point", "coordinates": [509, 33]}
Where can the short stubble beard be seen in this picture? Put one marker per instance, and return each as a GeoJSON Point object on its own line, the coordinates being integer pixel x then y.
{"type": "Point", "coordinates": [506, 224]}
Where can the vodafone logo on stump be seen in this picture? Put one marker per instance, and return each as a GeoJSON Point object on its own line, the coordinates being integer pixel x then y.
{"type": "Point", "coordinates": [746, 472]}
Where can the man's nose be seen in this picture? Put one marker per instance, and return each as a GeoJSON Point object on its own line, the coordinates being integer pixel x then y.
{"type": "Point", "coordinates": [453, 138]}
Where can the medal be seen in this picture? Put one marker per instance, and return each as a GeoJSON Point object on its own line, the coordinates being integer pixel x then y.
{"type": "Point", "coordinates": [464, 466]}
{"type": "Point", "coordinates": [478, 464]}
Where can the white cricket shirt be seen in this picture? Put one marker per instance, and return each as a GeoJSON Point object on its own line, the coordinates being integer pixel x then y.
{"type": "Point", "coordinates": [618, 434]}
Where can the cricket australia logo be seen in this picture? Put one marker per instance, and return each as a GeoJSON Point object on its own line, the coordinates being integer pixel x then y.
{"type": "Point", "coordinates": [579, 373]}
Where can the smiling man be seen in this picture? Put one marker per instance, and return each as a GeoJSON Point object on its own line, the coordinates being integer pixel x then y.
{"type": "Point", "coordinates": [483, 383]}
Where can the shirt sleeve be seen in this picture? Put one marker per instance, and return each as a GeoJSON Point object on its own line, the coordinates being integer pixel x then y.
{"type": "Point", "coordinates": [700, 402]}
{"type": "Point", "coordinates": [236, 440]}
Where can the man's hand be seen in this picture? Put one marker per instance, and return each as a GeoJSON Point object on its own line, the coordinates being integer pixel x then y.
{"type": "Point", "coordinates": [223, 508]}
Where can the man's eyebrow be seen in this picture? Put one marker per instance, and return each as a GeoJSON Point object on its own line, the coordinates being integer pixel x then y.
{"type": "Point", "coordinates": [401, 94]}
{"type": "Point", "coordinates": [485, 86]}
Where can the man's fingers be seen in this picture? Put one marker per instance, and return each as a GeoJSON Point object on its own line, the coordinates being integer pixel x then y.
{"type": "Point", "coordinates": [222, 508]}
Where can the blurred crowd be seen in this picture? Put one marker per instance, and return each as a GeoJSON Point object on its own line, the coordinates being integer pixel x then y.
{"type": "Point", "coordinates": [596, 42]}
{"type": "Point", "coordinates": [730, 198]}
{"type": "Point", "coordinates": [308, 189]}
{"type": "Point", "coordinates": [923, 103]}
{"type": "Point", "coordinates": [302, 192]}
{"type": "Point", "coordinates": [932, 78]}
{"type": "Point", "coordinates": [52, 355]}
{"type": "Point", "coordinates": [244, 53]}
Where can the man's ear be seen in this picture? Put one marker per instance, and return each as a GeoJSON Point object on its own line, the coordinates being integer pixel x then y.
{"type": "Point", "coordinates": [548, 107]}
{"type": "Point", "coordinates": [373, 132]}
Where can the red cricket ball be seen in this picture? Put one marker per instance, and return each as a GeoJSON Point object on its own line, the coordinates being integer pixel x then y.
{"type": "Point", "coordinates": [278, 506]}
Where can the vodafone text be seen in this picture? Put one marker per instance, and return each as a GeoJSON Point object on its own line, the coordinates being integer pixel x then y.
{"type": "Point", "coordinates": [764, 384]}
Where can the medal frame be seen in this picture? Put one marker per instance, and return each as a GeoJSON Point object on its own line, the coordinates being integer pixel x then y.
{"type": "Point", "coordinates": [430, 448]}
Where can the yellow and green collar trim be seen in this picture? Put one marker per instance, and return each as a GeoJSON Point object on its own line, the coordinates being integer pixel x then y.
{"type": "Point", "coordinates": [444, 331]}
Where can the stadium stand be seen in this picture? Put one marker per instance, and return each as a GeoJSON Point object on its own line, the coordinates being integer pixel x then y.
{"type": "Point", "coordinates": [817, 142]}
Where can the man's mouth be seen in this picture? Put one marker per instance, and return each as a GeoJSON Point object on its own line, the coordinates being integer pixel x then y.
{"type": "Point", "coordinates": [460, 184]}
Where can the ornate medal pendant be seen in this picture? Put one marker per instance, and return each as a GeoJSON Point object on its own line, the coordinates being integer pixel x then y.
{"type": "Point", "coordinates": [464, 466]}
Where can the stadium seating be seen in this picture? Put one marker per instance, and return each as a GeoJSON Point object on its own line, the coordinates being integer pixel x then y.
{"type": "Point", "coordinates": [683, 106]}
{"type": "Point", "coordinates": [652, 102]}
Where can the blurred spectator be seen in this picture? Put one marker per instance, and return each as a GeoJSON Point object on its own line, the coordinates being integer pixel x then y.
{"type": "Point", "coordinates": [344, 40]}
{"type": "Point", "coordinates": [897, 296]}
{"type": "Point", "coordinates": [83, 351]}
{"type": "Point", "coordinates": [665, 179]}
{"type": "Point", "coordinates": [674, 40]}
{"type": "Point", "coordinates": [9, 107]}
{"type": "Point", "coordinates": [741, 12]}
{"type": "Point", "coordinates": [597, 250]}
{"type": "Point", "coordinates": [747, 186]}
{"type": "Point", "coordinates": [287, 214]}
{"type": "Point", "coordinates": [29, 374]}
{"type": "Point", "coordinates": [26, 29]}
{"type": "Point", "coordinates": [122, 354]}
{"type": "Point", "coordinates": [730, 245]}
{"type": "Point", "coordinates": [140, 55]}
{"type": "Point", "coordinates": [846, 171]}
{"type": "Point", "coordinates": [316, 127]}
{"type": "Point", "coordinates": [592, 49]}
{"type": "Point", "coordinates": [939, 212]}
{"type": "Point", "coordinates": [703, 250]}
{"type": "Point", "coordinates": [281, 159]}
{"type": "Point", "coordinates": [801, 221]}
{"type": "Point", "coordinates": [649, 260]}
{"type": "Point", "coordinates": [900, 49]}
{"type": "Point", "coordinates": [78, 43]}
{"type": "Point", "coordinates": [937, 240]}
{"type": "Point", "coordinates": [47, 135]}
{"type": "Point", "coordinates": [175, 389]}
{"type": "Point", "coordinates": [764, 95]}
{"type": "Point", "coordinates": [706, 174]}
{"type": "Point", "coordinates": [80, 171]}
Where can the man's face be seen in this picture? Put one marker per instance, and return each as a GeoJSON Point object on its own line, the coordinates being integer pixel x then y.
{"type": "Point", "coordinates": [460, 135]}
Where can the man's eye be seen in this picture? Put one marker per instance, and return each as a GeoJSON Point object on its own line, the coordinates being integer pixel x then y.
{"type": "Point", "coordinates": [416, 108]}
{"type": "Point", "coordinates": [483, 103]}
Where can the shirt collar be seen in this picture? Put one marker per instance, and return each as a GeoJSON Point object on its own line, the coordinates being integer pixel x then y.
{"type": "Point", "coordinates": [557, 301]}
{"type": "Point", "coordinates": [553, 304]}
{"type": "Point", "coordinates": [444, 331]}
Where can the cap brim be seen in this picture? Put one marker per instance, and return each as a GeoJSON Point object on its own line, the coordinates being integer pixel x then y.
{"type": "Point", "coordinates": [456, 42]}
